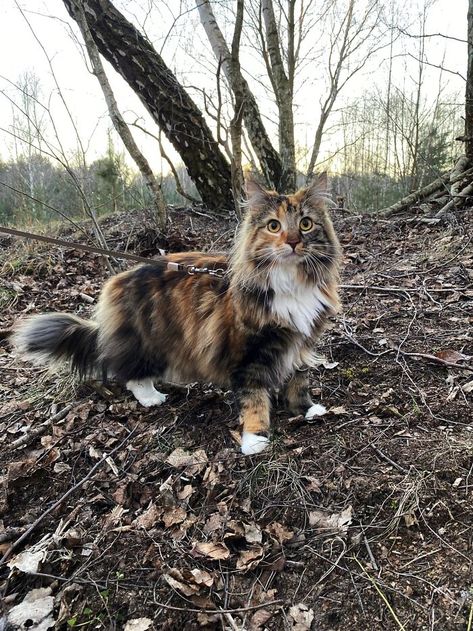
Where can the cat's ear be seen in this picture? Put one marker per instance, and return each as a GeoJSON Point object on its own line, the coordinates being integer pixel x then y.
{"type": "Point", "coordinates": [256, 195]}
{"type": "Point", "coordinates": [316, 193]}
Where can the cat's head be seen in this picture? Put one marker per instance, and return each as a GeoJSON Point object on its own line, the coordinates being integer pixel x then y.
{"type": "Point", "coordinates": [288, 231]}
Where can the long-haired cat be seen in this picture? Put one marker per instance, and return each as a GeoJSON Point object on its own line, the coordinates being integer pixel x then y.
{"type": "Point", "coordinates": [251, 330]}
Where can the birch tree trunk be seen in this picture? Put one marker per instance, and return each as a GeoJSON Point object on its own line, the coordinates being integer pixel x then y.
{"type": "Point", "coordinates": [170, 106]}
{"type": "Point", "coordinates": [268, 157]}
{"type": "Point", "coordinates": [283, 88]}
{"type": "Point", "coordinates": [469, 89]}
{"type": "Point", "coordinates": [119, 123]}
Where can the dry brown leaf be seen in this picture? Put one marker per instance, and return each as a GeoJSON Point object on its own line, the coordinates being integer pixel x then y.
{"type": "Point", "coordinates": [452, 356]}
{"type": "Point", "coordinates": [28, 561]}
{"type": "Point", "coordinates": [213, 523]}
{"type": "Point", "coordinates": [185, 492]}
{"type": "Point", "coordinates": [138, 624]}
{"type": "Point", "coordinates": [410, 519]}
{"type": "Point", "coordinates": [313, 483]}
{"type": "Point", "coordinates": [250, 558]}
{"type": "Point", "coordinates": [174, 516]}
{"type": "Point", "coordinates": [335, 522]}
{"type": "Point", "coordinates": [192, 463]}
{"type": "Point", "coordinates": [259, 618]}
{"type": "Point", "coordinates": [180, 585]}
{"type": "Point", "coordinates": [201, 577]}
{"type": "Point", "coordinates": [206, 619]}
{"type": "Point", "coordinates": [214, 551]}
{"type": "Point", "coordinates": [281, 533]}
{"type": "Point", "coordinates": [149, 518]}
{"type": "Point", "coordinates": [341, 409]}
{"type": "Point", "coordinates": [301, 617]}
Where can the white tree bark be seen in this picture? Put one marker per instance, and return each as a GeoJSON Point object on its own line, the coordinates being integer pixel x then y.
{"type": "Point", "coordinates": [268, 157]}
{"type": "Point", "coordinates": [119, 123]}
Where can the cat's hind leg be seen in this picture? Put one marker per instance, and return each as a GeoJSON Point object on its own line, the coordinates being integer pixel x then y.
{"type": "Point", "coordinates": [297, 399]}
{"type": "Point", "coordinates": [145, 392]}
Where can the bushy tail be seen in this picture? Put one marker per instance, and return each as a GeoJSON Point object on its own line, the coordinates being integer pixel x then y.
{"type": "Point", "coordinates": [54, 338]}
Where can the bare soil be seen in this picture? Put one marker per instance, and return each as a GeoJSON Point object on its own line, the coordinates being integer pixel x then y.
{"type": "Point", "coordinates": [362, 519]}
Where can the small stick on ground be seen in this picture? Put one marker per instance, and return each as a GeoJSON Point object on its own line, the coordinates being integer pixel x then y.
{"type": "Point", "coordinates": [382, 455]}
{"type": "Point", "coordinates": [370, 554]}
{"type": "Point", "coordinates": [37, 431]}
{"type": "Point", "coordinates": [56, 504]}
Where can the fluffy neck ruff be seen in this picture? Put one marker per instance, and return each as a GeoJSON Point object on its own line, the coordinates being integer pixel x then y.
{"type": "Point", "coordinates": [282, 294]}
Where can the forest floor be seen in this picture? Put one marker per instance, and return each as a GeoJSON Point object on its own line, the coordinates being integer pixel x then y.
{"type": "Point", "coordinates": [362, 519]}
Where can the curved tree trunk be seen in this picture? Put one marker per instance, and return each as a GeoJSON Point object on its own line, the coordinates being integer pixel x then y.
{"type": "Point", "coordinates": [135, 59]}
{"type": "Point", "coordinates": [284, 97]}
{"type": "Point", "coordinates": [119, 123]}
{"type": "Point", "coordinates": [268, 157]}
{"type": "Point", "coordinates": [469, 89]}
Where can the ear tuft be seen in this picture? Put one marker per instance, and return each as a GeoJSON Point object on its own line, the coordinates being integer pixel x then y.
{"type": "Point", "coordinates": [256, 195]}
{"type": "Point", "coordinates": [319, 184]}
{"type": "Point", "coordinates": [317, 191]}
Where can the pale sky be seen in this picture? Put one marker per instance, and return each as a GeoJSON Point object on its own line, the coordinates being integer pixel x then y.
{"type": "Point", "coordinates": [185, 52]}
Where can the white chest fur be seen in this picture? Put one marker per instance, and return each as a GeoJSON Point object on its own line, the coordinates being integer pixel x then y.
{"type": "Point", "coordinates": [294, 303]}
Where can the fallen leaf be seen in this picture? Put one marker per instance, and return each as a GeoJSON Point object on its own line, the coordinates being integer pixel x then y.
{"type": "Point", "coordinates": [35, 612]}
{"type": "Point", "coordinates": [201, 577]}
{"type": "Point", "coordinates": [281, 533]}
{"type": "Point", "coordinates": [335, 522]}
{"type": "Point", "coordinates": [94, 453]}
{"type": "Point", "coordinates": [253, 533]}
{"type": "Point", "coordinates": [341, 409]}
{"type": "Point", "coordinates": [174, 516]}
{"type": "Point", "coordinates": [213, 523]}
{"type": "Point", "coordinates": [259, 618]}
{"type": "Point", "coordinates": [468, 387]}
{"type": "Point", "coordinates": [301, 617]}
{"type": "Point", "coordinates": [410, 519]}
{"type": "Point", "coordinates": [180, 586]}
{"type": "Point", "coordinates": [329, 365]}
{"type": "Point", "coordinates": [149, 518]}
{"type": "Point", "coordinates": [214, 551]}
{"type": "Point", "coordinates": [192, 463]}
{"type": "Point", "coordinates": [138, 624]}
{"type": "Point", "coordinates": [250, 558]}
{"type": "Point", "coordinates": [27, 561]}
{"type": "Point", "coordinates": [185, 492]}
{"type": "Point", "coordinates": [452, 356]}
{"type": "Point", "coordinates": [61, 467]}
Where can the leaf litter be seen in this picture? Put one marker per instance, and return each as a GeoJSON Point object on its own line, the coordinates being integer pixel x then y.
{"type": "Point", "coordinates": [178, 517]}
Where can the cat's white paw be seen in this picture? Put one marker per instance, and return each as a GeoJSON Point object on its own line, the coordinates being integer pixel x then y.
{"type": "Point", "coordinates": [253, 444]}
{"type": "Point", "coordinates": [315, 410]}
{"type": "Point", "coordinates": [145, 392]}
{"type": "Point", "coordinates": [157, 398]}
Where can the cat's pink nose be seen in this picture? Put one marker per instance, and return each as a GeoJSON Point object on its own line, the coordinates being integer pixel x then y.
{"type": "Point", "coordinates": [294, 243]}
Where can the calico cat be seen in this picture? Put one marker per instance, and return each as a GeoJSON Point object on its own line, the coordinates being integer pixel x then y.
{"type": "Point", "coordinates": [251, 330]}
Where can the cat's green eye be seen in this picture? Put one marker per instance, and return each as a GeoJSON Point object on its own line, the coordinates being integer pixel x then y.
{"type": "Point", "coordinates": [306, 224]}
{"type": "Point", "coordinates": [273, 225]}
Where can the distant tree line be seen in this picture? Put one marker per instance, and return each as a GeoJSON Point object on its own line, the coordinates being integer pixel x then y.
{"type": "Point", "coordinates": [33, 189]}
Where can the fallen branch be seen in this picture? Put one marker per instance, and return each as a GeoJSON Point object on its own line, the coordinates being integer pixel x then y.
{"type": "Point", "coordinates": [455, 201]}
{"type": "Point", "coordinates": [402, 289]}
{"type": "Point", "coordinates": [424, 192]}
{"type": "Point", "coordinates": [219, 611]}
{"type": "Point", "coordinates": [56, 504]}
{"type": "Point", "coordinates": [399, 351]}
{"type": "Point", "coordinates": [37, 431]}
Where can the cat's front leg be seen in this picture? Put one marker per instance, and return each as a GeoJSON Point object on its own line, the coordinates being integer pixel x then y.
{"type": "Point", "coordinates": [254, 416]}
{"type": "Point", "coordinates": [297, 398]}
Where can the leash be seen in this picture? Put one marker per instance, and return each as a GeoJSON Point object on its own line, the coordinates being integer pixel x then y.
{"type": "Point", "coordinates": [192, 270]}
